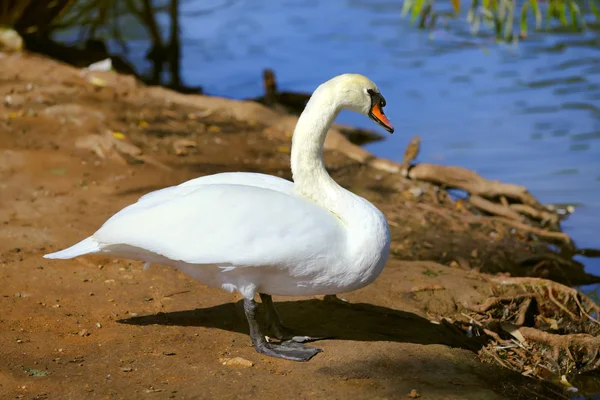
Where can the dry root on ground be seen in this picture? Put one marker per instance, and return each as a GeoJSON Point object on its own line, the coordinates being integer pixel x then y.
{"type": "Point", "coordinates": [538, 328]}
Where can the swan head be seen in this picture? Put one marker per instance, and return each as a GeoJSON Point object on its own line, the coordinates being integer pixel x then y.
{"type": "Point", "coordinates": [360, 94]}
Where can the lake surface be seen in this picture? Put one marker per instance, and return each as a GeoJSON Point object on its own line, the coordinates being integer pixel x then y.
{"type": "Point", "coordinates": [527, 113]}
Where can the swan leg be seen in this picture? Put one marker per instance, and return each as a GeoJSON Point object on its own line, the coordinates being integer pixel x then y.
{"type": "Point", "coordinates": [274, 320]}
{"type": "Point", "coordinates": [288, 350]}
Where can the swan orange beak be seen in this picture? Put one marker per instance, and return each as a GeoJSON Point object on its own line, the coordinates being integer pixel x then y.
{"type": "Point", "coordinates": [378, 116]}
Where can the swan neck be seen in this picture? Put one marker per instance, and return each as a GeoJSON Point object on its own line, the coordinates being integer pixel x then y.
{"type": "Point", "coordinates": [308, 168]}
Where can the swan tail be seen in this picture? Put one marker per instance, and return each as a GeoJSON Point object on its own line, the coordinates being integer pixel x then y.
{"type": "Point", "coordinates": [86, 246]}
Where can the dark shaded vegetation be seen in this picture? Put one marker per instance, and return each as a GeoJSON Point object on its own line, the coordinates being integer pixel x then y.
{"type": "Point", "coordinates": [97, 21]}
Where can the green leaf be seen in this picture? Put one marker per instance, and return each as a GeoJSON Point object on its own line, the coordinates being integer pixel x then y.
{"type": "Point", "coordinates": [473, 11]}
{"type": "Point", "coordinates": [549, 12]}
{"type": "Point", "coordinates": [423, 17]}
{"type": "Point", "coordinates": [500, 10]}
{"type": "Point", "coordinates": [537, 13]}
{"type": "Point", "coordinates": [406, 7]}
{"type": "Point", "coordinates": [595, 10]}
{"type": "Point", "coordinates": [577, 20]}
{"type": "Point", "coordinates": [524, 10]}
{"type": "Point", "coordinates": [508, 19]}
{"type": "Point", "coordinates": [562, 10]}
{"type": "Point", "coordinates": [498, 25]}
{"type": "Point", "coordinates": [416, 11]}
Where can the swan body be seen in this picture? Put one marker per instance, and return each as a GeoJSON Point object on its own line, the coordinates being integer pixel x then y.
{"type": "Point", "coordinates": [257, 233]}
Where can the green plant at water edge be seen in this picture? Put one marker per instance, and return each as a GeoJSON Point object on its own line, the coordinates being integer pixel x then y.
{"type": "Point", "coordinates": [507, 18]}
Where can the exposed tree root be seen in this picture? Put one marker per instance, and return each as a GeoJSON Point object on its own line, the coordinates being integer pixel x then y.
{"type": "Point", "coordinates": [510, 204]}
{"type": "Point", "coordinates": [584, 304]}
{"type": "Point", "coordinates": [470, 181]}
{"type": "Point", "coordinates": [494, 208]}
{"type": "Point", "coordinates": [544, 330]}
{"type": "Point", "coordinates": [543, 233]}
{"type": "Point", "coordinates": [546, 217]}
{"type": "Point", "coordinates": [494, 301]}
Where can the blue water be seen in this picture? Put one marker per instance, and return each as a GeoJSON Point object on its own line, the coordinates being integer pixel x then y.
{"type": "Point", "coordinates": [526, 113]}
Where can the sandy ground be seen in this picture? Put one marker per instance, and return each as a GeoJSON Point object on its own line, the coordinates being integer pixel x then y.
{"type": "Point", "coordinates": [102, 328]}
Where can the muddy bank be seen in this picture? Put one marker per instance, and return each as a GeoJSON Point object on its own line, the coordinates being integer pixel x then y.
{"type": "Point", "coordinates": [76, 147]}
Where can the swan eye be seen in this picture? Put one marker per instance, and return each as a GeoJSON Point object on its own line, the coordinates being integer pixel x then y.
{"type": "Point", "coordinates": [376, 96]}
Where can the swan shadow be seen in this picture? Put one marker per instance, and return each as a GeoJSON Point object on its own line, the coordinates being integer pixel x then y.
{"type": "Point", "coordinates": [329, 319]}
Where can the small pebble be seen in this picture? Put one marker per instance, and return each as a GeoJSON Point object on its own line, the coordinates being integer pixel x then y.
{"type": "Point", "coordinates": [416, 191]}
{"type": "Point", "coordinates": [236, 362]}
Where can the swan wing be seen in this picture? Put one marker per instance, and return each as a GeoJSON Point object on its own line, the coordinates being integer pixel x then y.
{"type": "Point", "coordinates": [228, 178]}
{"type": "Point", "coordinates": [227, 224]}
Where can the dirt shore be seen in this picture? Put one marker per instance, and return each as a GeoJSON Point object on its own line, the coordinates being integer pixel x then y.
{"type": "Point", "coordinates": [76, 147]}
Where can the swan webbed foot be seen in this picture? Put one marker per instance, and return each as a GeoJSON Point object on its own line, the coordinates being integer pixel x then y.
{"type": "Point", "coordinates": [288, 350]}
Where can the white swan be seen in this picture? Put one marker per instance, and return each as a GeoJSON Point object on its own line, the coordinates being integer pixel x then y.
{"type": "Point", "coordinates": [258, 233]}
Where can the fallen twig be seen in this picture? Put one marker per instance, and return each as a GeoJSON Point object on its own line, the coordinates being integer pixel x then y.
{"type": "Point", "coordinates": [176, 293]}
